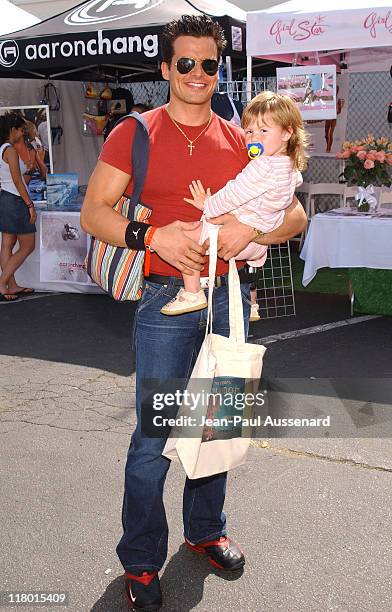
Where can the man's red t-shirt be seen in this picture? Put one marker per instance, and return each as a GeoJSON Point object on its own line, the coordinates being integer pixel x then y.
{"type": "Point", "coordinates": [219, 155]}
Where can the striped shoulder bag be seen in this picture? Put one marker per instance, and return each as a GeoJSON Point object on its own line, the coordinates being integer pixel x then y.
{"type": "Point", "coordinates": [119, 270]}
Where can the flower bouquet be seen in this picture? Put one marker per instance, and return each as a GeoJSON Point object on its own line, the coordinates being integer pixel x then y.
{"type": "Point", "coordinates": [368, 163]}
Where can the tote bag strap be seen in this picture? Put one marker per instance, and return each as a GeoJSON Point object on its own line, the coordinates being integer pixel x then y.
{"type": "Point", "coordinates": [139, 156]}
{"type": "Point", "coordinates": [213, 248]}
{"type": "Point", "coordinates": [236, 311]}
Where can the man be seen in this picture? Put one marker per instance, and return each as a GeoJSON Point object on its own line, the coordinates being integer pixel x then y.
{"type": "Point", "coordinates": [187, 141]}
{"type": "Point", "coordinates": [44, 137]}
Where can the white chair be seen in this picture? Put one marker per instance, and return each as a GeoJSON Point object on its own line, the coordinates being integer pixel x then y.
{"type": "Point", "coordinates": [304, 188]}
{"type": "Point", "coordinates": [324, 189]}
{"type": "Point", "coordinates": [385, 200]}
{"type": "Point", "coordinates": [349, 193]}
{"type": "Point", "coordinates": [314, 189]}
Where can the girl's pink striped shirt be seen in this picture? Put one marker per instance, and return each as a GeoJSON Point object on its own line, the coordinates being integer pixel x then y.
{"type": "Point", "coordinates": [258, 195]}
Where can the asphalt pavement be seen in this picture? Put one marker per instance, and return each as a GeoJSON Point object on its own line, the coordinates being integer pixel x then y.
{"type": "Point", "coordinates": [312, 514]}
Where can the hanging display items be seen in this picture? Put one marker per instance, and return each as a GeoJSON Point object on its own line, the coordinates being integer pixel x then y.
{"type": "Point", "coordinates": [104, 105]}
{"type": "Point", "coordinates": [35, 150]}
{"type": "Point", "coordinates": [313, 88]}
{"type": "Point", "coordinates": [51, 98]}
{"type": "Point", "coordinates": [95, 114]}
{"type": "Point", "coordinates": [63, 248]}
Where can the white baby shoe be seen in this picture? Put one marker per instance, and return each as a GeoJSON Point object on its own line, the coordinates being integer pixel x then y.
{"type": "Point", "coordinates": [254, 313]}
{"type": "Point", "coordinates": [185, 301]}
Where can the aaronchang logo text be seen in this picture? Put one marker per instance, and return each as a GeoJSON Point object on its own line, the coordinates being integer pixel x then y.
{"type": "Point", "coordinates": [97, 12]}
{"type": "Point", "coordinates": [9, 53]}
{"type": "Point", "coordinates": [97, 45]}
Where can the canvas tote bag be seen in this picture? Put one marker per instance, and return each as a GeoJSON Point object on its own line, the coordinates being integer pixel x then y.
{"type": "Point", "coordinates": [223, 363]}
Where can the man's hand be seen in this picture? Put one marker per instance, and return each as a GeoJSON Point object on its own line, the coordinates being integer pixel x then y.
{"type": "Point", "coordinates": [179, 250]}
{"type": "Point", "coordinates": [233, 236]}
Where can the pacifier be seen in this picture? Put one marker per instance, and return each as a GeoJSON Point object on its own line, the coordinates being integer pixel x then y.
{"type": "Point", "coordinates": [255, 149]}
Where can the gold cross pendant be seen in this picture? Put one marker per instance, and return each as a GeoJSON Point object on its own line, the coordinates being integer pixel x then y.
{"type": "Point", "coordinates": [191, 146]}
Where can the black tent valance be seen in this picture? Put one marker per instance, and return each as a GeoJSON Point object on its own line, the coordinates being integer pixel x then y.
{"type": "Point", "coordinates": [121, 38]}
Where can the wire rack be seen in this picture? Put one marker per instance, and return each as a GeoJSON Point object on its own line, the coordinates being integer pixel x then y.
{"type": "Point", "coordinates": [274, 284]}
{"type": "Point", "coordinates": [240, 90]}
{"type": "Point", "coordinates": [156, 93]}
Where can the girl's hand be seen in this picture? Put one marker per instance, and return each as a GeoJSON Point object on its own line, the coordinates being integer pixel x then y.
{"type": "Point", "coordinates": [198, 194]}
{"type": "Point", "coordinates": [33, 214]}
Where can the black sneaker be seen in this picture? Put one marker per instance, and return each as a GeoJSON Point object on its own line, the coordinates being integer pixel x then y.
{"type": "Point", "coordinates": [143, 590]}
{"type": "Point", "coordinates": [223, 553]}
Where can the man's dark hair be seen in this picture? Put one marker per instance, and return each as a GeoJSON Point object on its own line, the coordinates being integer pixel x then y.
{"type": "Point", "coordinates": [191, 25]}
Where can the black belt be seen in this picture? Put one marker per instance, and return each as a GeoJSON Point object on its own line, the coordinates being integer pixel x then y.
{"type": "Point", "coordinates": [220, 281]}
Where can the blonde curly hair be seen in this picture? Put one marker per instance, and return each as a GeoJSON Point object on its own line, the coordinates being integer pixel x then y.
{"type": "Point", "coordinates": [284, 112]}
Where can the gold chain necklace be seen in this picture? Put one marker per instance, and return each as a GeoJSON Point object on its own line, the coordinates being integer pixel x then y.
{"type": "Point", "coordinates": [191, 145]}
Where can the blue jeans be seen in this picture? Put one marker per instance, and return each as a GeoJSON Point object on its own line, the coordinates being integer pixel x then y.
{"type": "Point", "coordinates": [167, 347]}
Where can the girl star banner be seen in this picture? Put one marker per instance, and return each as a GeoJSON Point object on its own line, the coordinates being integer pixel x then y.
{"type": "Point", "coordinates": [296, 26]}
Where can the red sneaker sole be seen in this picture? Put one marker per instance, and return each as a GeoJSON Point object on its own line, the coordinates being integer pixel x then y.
{"type": "Point", "coordinates": [201, 551]}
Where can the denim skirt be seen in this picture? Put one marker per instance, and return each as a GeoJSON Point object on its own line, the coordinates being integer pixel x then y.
{"type": "Point", "coordinates": [14, 215]}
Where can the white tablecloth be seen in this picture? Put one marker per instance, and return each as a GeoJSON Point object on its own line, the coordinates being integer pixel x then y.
{"type": "Point", "coordinates": [337, 241]}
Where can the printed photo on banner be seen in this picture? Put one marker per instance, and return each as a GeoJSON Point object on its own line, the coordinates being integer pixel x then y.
{"type": "Point", "coordinates": [35, 150]}
{"type": "Point", "coordinates": [313, 88]}
{"type": "Point", "coordinates": [63, 192]}
{"type": "Point", "coordinates": [63, 248]}
{"type": "Point", "coordinates": [327, 137]}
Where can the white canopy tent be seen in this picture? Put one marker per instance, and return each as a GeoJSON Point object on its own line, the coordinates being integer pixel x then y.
{"type": "Point", "coordinates": [296, 27]}
{"type": "Point", "coordinates": [14, 18]}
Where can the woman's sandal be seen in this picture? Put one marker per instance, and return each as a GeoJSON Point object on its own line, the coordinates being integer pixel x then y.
{"type": "Point", "coordinates": [24, 291]}
{"type": "Point", "coordinates": [8, 297]}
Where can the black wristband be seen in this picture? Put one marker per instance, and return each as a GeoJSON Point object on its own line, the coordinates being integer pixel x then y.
{"type": "Point", "coordinates": [134, 235]}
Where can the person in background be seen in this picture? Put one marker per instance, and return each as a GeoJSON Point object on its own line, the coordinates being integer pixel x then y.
{"type": "Point", "coordinates": [17, 213]}
{"type": "Point", "coordinates": [140, 108]}
{"type": "Point", "coordinates": [330, 124]}
{"type": "Point", "coordinates": [254, 308]}
{"type": "Point", "coordinates": [44, 138]}
{"type": "Point", "coordinates": [35, 141]}
{"type": "Point", "coordinates": [113, 118]}
{"type": "Point", "coordinates": [31, 151]}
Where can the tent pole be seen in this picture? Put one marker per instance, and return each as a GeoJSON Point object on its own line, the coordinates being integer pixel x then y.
{"type": "Point", "coordinates": [137, 68]}
{"type": "Point", "coordinates": [229, 71]}
{"type": "Point", "coordinates": [248, 78]}
{"type": "Point", "coordinates": [37, 74]}
{"type": "Point", "coordinates": [57, 74]}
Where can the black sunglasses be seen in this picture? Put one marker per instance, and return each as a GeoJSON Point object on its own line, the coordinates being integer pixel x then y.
{"type": "Point", "coordinates": [186, 64]}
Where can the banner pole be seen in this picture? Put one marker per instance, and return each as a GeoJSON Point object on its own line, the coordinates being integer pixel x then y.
{"type": "Point", "coordinates": [248, 78]}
